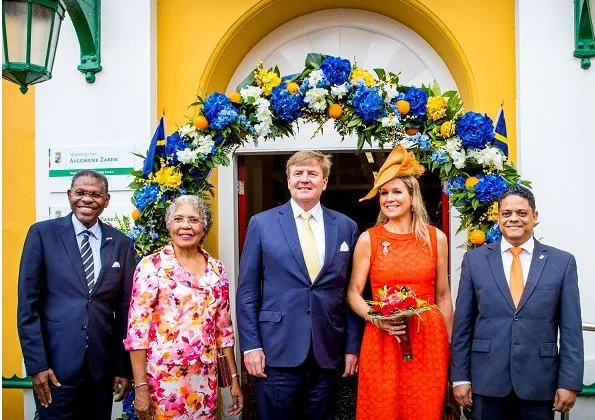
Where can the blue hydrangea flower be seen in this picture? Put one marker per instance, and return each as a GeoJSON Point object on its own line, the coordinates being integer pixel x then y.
{"type": "Point", "coordinates": [368, 103]}
{"type": "Point", "coordinates": [174, 144]}
{"type": "Point", "coordinates": [418, 100]}
{"type": "Point", "coordinates": [219, 111]}
{"type": "Point", "coordinates": [489, 188]}
{"type": "Point", "coordinates": [247, 124]}
{"type": "Point", "coordinates": [336, 70]}
{"type": "Point", "coordinates": [493, 234]}
{"type": "Point", "coordinates": [135, 231]}
{"type": "Point", "coordinates": [475, 130]}
{"type": "Point", "coordinates": [128, 406]}
{"type": "Point", "coordinates": [287, 106]}
{"type": "Point", "coordinates": [439, 156]}
{"type": "Point", "coordinates": [153, 235]}
{"type": "Point", "coordinates": [423, 141]}
{"type": "Point", "coordinates": [145, 196]}
{"type": "Point", "coordinates": [454, 185]}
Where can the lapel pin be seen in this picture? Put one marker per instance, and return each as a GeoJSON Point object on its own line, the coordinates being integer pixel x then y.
{"type": "Point", "coordinates": [541, 257]}
{"type": "Point", "coordinates": [109, 238]}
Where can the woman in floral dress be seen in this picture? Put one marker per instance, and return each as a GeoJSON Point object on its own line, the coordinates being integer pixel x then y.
{"type": "Point", "coordinates": [179, 317]}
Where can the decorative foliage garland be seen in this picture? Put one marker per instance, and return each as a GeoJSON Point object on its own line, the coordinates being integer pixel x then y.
{"type": "Point", "coordinates": [375, 107]}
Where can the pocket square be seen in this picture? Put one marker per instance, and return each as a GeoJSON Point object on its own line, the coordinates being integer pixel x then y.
{"type": "Point", "coordinates": [344, 247]}
{"type": "Point", "coordinates": [116, 264]}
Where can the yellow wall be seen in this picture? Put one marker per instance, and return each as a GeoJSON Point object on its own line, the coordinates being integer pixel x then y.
{"type": "Point", "coordinates": [18, 213]}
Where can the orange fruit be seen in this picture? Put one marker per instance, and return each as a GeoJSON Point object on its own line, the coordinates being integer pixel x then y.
{"type": "Point", "coordinates": [200, 122]}
{"type": "Point", "coordinates": [470, 182]}
{"type": "Point", "coordinates": [335, 111]}
{"type": "Point", "coordinates": [410, 131]}
{"type": "Point", "coordinates": [292, 87]}
{"type": "Point", "coordinates": [135, 214]}
{"type": "Point", "coordinates": [477, 237]}
{"type": "Point", "coordinates": [403, 107]}
{"type": "Point", "coordinates": [235, 97]}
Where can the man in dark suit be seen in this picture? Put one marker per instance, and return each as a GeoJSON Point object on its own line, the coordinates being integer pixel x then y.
{"type": "Point", "coordinates": [295, 328]}
{"type": "Point", "coordinates": [75, 282]}
{"type": "Point", "coordinates": [515, 295]}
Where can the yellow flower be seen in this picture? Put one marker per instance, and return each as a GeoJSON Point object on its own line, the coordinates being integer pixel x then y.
{"type": "Point", "coordinates": [363, 74]}
{"type": "Point", "coordinates": [492, 213]}
{"type": "Point", "coordinates": [266, 80]}
{"type": "Point", "coordinates": [169, 177]}
{"type": "Point", "coordinates": [447, 129]}
{"type": "Point", "coordinates": [436, 107]}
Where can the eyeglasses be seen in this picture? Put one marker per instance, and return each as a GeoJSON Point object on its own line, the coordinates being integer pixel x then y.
{"type": "Point", "coordinates": [90, 194]}
{"type": "Point", "coordinates": [192, 221]}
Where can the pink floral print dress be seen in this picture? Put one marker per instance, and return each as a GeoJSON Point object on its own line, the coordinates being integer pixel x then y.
{"type": "Point", "coordinates": [181, 320]}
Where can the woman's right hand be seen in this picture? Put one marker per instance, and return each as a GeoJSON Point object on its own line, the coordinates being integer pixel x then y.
{"type": "Point", "coordinates": [143, 408]}
{"type": "Point", "coordinates": [393, 328]}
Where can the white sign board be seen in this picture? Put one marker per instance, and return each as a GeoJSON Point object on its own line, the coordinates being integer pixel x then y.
{"type": "Point", "coordinates": [115, 162]}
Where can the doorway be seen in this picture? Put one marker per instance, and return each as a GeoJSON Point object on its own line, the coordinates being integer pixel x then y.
{"type": "Point", "coordinates": [263, 185]}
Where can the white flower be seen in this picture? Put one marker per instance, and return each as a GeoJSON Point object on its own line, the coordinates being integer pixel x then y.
{"type": "Point", "coordinates": [391, 120]}
{"type": "Point", "coordinates": [250, 92]}
{"type": "Point", "coordinates": [458, 158]}
{"type": "Point", "coordinates": [187, 156]}
{"type": "Point", "coordinates": [204, 144]}
{"type": "Point", "coordinates": [315, 98]}
{"type": "Point", "coordinates": [453, 145]}
{"type": "Point", "coordinates": [390, 91]}
{"type": "Point", "coordinates": [264, 118]}
{"type": "Point", "coordinates": [493, 156]}
{"type": "Point", "coordinates": [339, 91]}
{"type": "Point", "coordinates": [187, 130]}
{"type": "Point", "coordinates": [476, 155]}
{"type": "Point", "coordinates": [315, 77]}
{"type": "Point", "coordinates": [408, 143]}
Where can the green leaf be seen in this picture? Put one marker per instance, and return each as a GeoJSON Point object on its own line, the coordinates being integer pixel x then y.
{"type": "Point", "coordinates": [381, 73]}
{"type": "Point", "coordinates": [314, 60]}
{"type": "Point", "coordinates": [246, 82]}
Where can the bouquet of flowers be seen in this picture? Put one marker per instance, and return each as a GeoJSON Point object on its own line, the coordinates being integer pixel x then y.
{"type": "Point", "coordinates": [397, 305]}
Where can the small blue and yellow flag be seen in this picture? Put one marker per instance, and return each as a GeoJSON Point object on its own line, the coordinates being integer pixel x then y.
{"type": "Point", "coordinates": [158, 140]}
{"type": "Point", "coordinates": [500, 138]}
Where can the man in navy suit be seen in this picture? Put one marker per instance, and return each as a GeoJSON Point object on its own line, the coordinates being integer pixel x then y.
{"type": "Point", "coordinates": [515, 296]}
{"type": "Point", "coordinates": [74, 289]}
{"type": "Point", "coordinates": [296, 330]}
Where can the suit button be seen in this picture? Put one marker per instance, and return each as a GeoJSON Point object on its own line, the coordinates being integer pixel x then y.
{"type": "Point", "coordinates": [516, 318]}
{"type": "Point", "coordinates": [308, 312]}
{"type": "Point", "coordinates": [84, 327]}
{"type": "Point", "coordinates": [90, 300]}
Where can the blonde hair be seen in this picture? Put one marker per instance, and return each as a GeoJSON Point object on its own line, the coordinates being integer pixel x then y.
{"type": "Point", "coordinates": [308, 156]}
{"type": "Point", "coordinates": [419, 216]}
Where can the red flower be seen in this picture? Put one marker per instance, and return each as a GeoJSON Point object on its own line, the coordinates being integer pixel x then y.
{"type": "Point", "coordinates": [387, 309]}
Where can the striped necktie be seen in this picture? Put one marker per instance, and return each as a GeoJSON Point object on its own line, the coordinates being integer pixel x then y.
{"type": "Point", "coordinates": [517, 284]}
{"type": "Point", "coordinates": [309, 248]}
{"type": "Point", "coordinates": [87, 257]}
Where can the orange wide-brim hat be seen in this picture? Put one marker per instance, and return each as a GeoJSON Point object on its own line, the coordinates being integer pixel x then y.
{"type": "Point", "coordinates": [399, 163]}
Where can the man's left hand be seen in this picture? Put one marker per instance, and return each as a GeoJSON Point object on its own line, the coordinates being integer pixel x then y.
{"type": "Point", "coordinates": [125, 387]}
{"type": "Point", "coordinates": [350, 365]}
{"type": "Point", "coordinates": [564, 400]}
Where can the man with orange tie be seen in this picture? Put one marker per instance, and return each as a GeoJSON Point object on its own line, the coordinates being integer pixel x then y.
{"type": "Point", "coordinates": [516, 297]}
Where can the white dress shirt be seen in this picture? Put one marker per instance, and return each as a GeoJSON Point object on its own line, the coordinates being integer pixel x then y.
{"type": "Point", "coordinates": [525, 257]}
{"type": "Point", "coordinates": [94, 242]}
{"type": "Point", "coordinates": [317, 225]}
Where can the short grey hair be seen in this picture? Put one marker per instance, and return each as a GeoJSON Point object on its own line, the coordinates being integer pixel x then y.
{"type": "Point", "coordinates": [197, 203]}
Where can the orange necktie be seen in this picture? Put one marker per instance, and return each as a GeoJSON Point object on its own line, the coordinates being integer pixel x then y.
{"type": "Point", "coordinates": [516, 276]}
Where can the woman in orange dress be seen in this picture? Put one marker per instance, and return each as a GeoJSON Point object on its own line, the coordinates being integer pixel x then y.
{"type": "Point", "coordinates": [402, 250]}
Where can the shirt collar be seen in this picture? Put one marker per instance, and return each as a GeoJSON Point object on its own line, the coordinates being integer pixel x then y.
{"type": "Point", "coordinates": [315, 211]}
{"type": "Point", "coordinates": [527, 246]}
{"type": "Point", "coordinates": [79, 227]}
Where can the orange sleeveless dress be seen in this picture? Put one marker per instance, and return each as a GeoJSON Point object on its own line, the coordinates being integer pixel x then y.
{"type": "Point", "coordinates": [388, 387]}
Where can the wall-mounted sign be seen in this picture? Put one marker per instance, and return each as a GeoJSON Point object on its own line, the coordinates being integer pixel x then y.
{"type": "Point", "coordinates": [115, 162]}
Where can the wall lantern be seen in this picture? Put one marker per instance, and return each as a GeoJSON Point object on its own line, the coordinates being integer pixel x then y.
{"type": "Point", "coordinates": [30, 30]}
{"type": "Point", "coordinates": [584, 33]}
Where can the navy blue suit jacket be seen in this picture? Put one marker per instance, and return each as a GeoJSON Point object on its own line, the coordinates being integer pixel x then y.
{"type": "Point", "coordinates": [499, 348]}
{"type": "Point", "coordinates": [58, 318]}
{"type": "Point", "coordinates": [279, 309]}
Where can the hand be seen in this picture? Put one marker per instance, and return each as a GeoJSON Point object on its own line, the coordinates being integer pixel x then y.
{"type": "Point", "coordinates": [351, 365]}
{"type": "Point", "coordinates": [124, 385]}
{"type": "Point", "coordinates": [237, 398]}
{"type": "Point", "coordinates": [463, 395]}
{"type": "Point", "coordinates": [143, 408]}
{"type": "Point", "coordinates": [564, 400]}
{"type": "Point", "coordinates": [41, 386]}
{"type": "Point", "coordinates": [393, 328]}
{"type": "Point", "coordinates": [254, 362]}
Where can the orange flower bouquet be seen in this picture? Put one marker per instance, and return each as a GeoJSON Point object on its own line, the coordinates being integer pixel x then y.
{"type": "Point", "coordinates": [397, 305]}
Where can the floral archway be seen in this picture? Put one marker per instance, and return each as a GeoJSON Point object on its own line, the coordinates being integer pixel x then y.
{"type": "Point", "coordinates": [459, 145]}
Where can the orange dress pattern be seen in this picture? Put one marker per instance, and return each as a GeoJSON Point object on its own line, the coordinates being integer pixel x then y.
{"type": "Point", "coordinates": [388, 386]}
